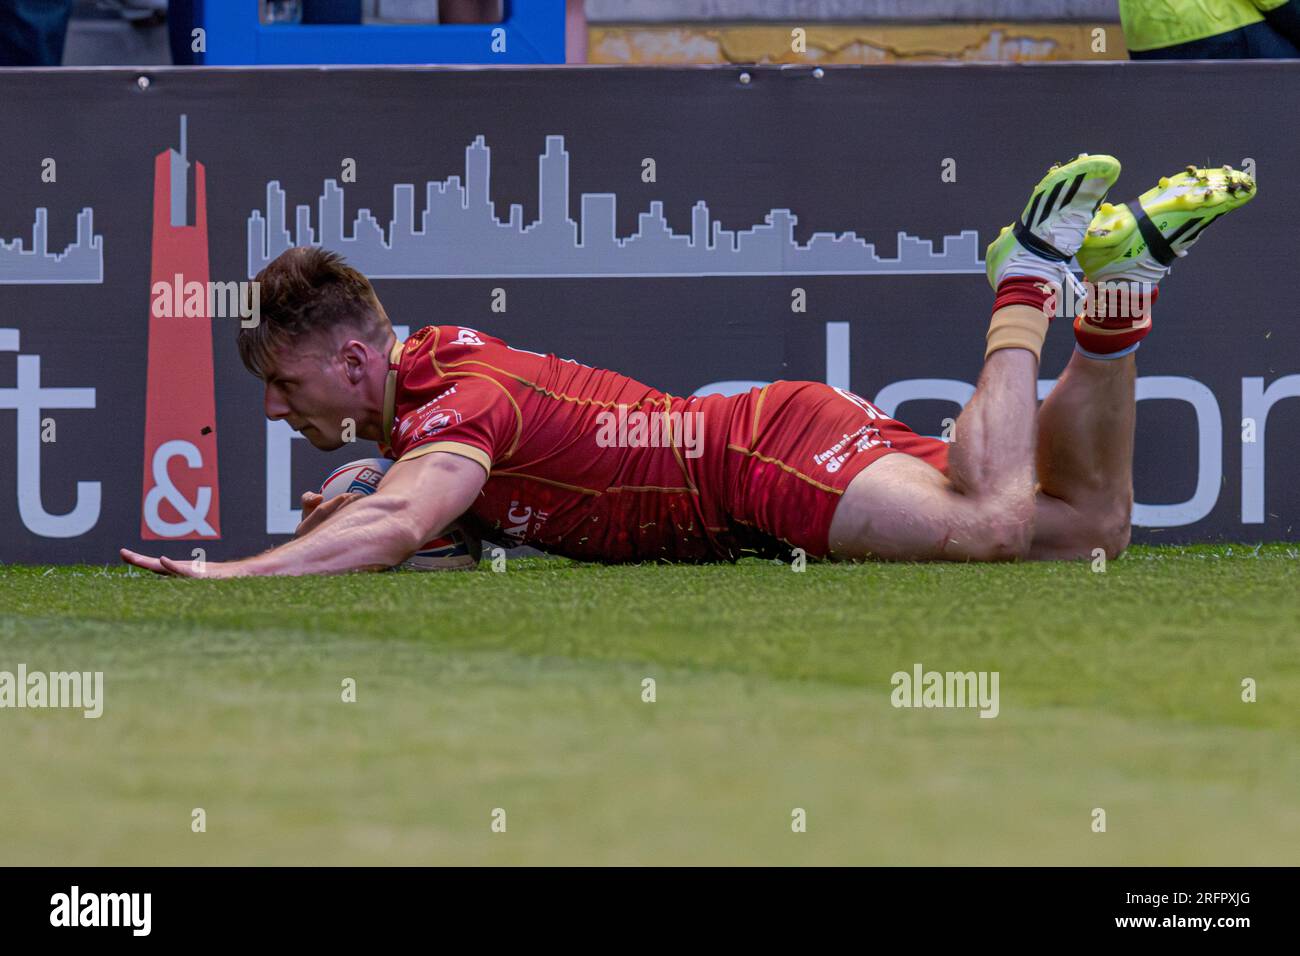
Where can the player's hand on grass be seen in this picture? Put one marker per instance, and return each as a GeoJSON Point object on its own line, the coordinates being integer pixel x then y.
{"type": "Point", "coordinates": [314, 512]}
{"type": "Point", "coordinates": [181, 569]}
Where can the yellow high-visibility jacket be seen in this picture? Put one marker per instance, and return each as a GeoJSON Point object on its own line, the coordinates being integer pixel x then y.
{"type": "Point", "coordinates": [1152, 24]}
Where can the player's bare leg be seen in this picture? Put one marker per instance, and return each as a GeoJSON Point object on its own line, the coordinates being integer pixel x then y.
{"type": "Point", "coordinates": [984, 509]}
{"type": "Point", "coordinates": [1085, 427]}
{"type": "Point", "coordinates": [1085, 460]}
{"type": "Point", "coordinates": [901, 508]}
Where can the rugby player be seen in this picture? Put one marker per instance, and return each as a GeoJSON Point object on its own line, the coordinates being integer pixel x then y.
{"type": "Point", "coordinates": [518, 443]}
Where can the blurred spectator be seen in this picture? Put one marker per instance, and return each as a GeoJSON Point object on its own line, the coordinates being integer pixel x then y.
{"type": "Point", "coordinates": [35, 32]}
{"type": "Point", "coordinates": [1283, 16]}
{"type": "Point", "coordinates": [575, 32]}
{"type": "Point", "coordinates": [469, 11]}
{"type": "Point", "coordinates": [182, 17]}
{"type": "Point", "coordinates": [141, 12]}
{"type": "Point", "coordinates": [32, 32]}
{"type": "Point", "coordinates": [1222, 30]}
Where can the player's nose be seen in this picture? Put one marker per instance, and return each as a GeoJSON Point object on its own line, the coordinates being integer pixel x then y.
{"type": "Point", "coordinates": [274, 404]}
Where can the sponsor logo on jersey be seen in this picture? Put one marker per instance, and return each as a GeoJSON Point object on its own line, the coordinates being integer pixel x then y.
{"type": "Point", "coordinates": [833, 458]}
{"type": "Point", "coordinates": [433, 402]}
{"type": "Point", "coordinates": [520, 519]}
{"type": "Point", "coordinates": [467, 337]}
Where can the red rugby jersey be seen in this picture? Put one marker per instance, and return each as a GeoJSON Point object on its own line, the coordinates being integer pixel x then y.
{"type": "Point", "coordinates": [581, 461]}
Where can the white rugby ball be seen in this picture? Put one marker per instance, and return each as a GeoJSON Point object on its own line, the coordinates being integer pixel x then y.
{"type": "Point", "coordinates": [453, 550]}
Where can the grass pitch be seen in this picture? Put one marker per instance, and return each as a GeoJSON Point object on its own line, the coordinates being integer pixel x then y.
{"type": "Point", "coordinates": [523, 691]}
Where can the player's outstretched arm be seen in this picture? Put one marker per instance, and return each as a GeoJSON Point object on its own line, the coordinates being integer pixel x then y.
{"type": "Point", "coordinates": [416, 500]}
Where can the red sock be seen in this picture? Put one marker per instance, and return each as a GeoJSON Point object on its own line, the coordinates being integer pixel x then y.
{"type": "Point", "coordinates": [1026, 290]}
{"type": "Point", "coordinates": [1116, 318]}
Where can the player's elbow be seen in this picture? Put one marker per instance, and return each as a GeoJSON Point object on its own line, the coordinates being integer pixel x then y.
{"type": "Point", "coordinates": [403, 543]}
{"type": "Point", "coordinates": [399, 531]}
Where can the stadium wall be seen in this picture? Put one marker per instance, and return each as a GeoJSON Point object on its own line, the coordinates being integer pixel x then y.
{"type": "Point", "coordinates": [658, 44]}
{"type": "Point", "coordinates": [863, 195]}
{"type": "Point", "coordinates": [679, 32]}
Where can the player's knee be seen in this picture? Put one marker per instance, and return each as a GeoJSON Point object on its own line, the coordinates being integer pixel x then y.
{"type": "Point", "coordinates": [1117, 530]}
{"type": "Point", "coordinates": [1107, 530]}
{"type": "Point", "coordinates": [1008, 532]}
{"type": "Point", "coordinates": [1010, 541]}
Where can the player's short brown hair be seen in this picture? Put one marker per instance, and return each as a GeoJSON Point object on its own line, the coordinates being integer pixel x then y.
{"type": "Point", "coordinates": [307, 290]}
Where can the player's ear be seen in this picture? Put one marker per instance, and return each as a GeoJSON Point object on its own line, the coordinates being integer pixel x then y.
{"type": "Point", "coordinates": [355, 358]}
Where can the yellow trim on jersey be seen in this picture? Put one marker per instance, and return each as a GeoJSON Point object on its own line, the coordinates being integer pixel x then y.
{"type": "Point", "coordinates": [519, 415]}
{"type": "Point", "coordinates": [677, 452]}
{"type": "Point", "coordinates": [437, 370]}
{"type": "Point", "coordinates": [451, 447]}
{"type": "Point", "coordinates": [758, 410]}
{"type": "Point", "coordinates": [558, 396]}
{"type": "Point", "coordinates": [549, 481]}
{"type": "Point", "coordinates": [440, 367]}
{"type": "Point", "coordinates": [390, 391]}
{"type": "Point", "coordinates": [782, 465]}
{"type": "Point", "coordinates": [507, 473]}
{"type": "Point", "coordinates": [679, 491]}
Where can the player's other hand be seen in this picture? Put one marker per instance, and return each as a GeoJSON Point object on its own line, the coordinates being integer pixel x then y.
{"type": "Point", "coordinates": [314, 510]}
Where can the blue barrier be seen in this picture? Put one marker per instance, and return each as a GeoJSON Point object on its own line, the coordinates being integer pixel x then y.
{"type": "Point", "coordinates": [532, 32]}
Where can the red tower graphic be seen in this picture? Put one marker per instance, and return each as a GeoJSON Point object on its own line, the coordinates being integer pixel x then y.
{"type": "Point", "coordinates": [181, 497]}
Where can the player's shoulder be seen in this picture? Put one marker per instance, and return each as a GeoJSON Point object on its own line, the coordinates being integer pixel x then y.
{"type": "Point", "coordinates": [449, 342]}
{"type": "Point", "coordinates": [460, 348]}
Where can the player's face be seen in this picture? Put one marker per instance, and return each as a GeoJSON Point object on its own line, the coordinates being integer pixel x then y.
{"type": "Point", "coordinates": [309, 387]}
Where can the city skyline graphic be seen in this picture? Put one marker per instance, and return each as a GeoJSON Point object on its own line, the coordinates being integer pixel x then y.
{"type": "Point", "coordinates": [81, 262]}
{"type": "Point", "coordinates": [459, 235]}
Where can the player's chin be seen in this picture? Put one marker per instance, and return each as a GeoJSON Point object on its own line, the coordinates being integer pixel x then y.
{"type": "Point", "coordinates": [322, 441]}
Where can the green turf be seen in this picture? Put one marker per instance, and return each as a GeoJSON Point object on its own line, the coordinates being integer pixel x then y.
{"type": "Point", "coordinates": [522, 691]}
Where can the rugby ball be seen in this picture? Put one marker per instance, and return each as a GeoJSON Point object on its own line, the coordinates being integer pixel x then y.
{"type": "Point", "coordinates": [453, 550]}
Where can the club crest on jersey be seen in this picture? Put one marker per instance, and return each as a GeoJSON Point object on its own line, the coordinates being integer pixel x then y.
{"type": "Point", "coordinates": [467, 337]}
{"type": "Point", "coordinates": [438, 420]}
{"type": "Point", "coordinates": [410, 418]}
